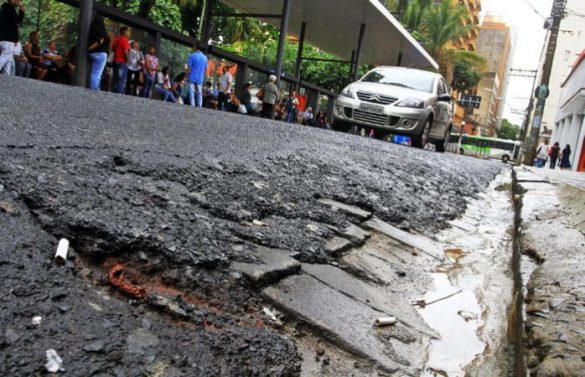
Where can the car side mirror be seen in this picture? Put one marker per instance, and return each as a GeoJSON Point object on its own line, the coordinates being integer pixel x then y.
{"type": "Point", "coordinates": [444, 98]}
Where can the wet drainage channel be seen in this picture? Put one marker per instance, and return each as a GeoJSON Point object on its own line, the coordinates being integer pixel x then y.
{"type": "Point", "coordinates": [472, 292]}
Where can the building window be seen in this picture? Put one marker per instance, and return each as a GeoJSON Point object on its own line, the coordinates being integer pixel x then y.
{"type": "Point", "coordinates": [567, 55]}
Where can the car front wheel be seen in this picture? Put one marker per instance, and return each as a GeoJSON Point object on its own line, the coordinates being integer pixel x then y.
{"type": "Point", "coordinates": [421, 140]}
{"type": "Point", "coordinates": [440, 146]}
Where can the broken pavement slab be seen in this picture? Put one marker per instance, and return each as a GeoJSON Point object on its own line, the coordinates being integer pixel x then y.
{"type": "Point", "coordinates": [337, 245]}
{"type": "Point", "coordinates": [378, 299]}
{"type": "Point", "coordinates": [353, 233]}
{"type": "Point", "coordinates": [275, 265]}
{"type": "Point", "coordinates": [424, 244]}
{"type": "Point", "coordinates": [347, 209]}
{"type": "Point", "coordinates": [344, 321]}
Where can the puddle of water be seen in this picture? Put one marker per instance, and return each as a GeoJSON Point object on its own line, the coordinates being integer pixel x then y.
{"type": "Point", "coordinates": [459, 343]}
{"type": "Point", "coordinates": [472, 323]}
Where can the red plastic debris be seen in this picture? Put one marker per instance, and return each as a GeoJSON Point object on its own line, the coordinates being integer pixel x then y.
{"type": "Point", "coordinates": [116, 278]}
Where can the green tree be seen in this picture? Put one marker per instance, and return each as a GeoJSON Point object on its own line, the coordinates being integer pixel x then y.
{"type": "Point", "coordinates": [414, 15]}
{"type": "Point", "coordinates": [469, 68]}
{"type": "Point", "coordinates": [442, 24]}
{"type": "Point", "coordinates": [508, 130]}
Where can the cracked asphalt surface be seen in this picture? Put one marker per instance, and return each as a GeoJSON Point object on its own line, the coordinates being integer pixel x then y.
{"type": "Point", "coordinates": [178, 194]}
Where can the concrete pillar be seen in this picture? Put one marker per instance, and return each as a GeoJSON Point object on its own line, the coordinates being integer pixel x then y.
{"type": "Point", "coordinates": [81, 68]}
{"type": "Point", "coordinates": [556, 129]}
{"type": "Point", "coordinates": [573, 136]}
{"type": "Point", "coordinates": [580, 145]}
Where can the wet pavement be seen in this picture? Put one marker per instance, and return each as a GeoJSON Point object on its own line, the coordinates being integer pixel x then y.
{"type": "Point", "coordinates": [553, 242]}
{"type": "Point", "coordinates": [189, 202]}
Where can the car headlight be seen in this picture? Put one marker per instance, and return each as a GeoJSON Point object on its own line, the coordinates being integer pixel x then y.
{"type": "Point", "coordinates": [347, 92]}
{"type": "Point", "coordinates": [411, 102]}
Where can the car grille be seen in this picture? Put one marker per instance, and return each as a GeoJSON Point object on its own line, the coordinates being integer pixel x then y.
{"type": "Point", "coordinates": [366, 117]}
{"type": "Point", "coordinates": [375, 98]}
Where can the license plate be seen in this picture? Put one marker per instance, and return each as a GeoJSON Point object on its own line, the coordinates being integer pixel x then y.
{"type": "Point", "coordinates": [372, 109]}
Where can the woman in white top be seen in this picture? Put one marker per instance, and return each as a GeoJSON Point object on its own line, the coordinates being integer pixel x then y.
{"type": "Point", "coordinates": [135, 65]}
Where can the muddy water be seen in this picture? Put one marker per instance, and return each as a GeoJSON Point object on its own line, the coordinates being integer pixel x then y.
{"type": "Point", "coordinates": [471, 292]}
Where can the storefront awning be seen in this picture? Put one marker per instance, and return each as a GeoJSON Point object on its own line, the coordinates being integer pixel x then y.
{"type": "Point", "coordinates": [334, 27]}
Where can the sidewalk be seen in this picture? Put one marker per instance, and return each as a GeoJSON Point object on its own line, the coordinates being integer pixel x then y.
{"type": "Point", "coordinates": [553, 248]}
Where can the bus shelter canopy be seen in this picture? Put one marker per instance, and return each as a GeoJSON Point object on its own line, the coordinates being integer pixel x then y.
{"type": "Point", "coordinates": [334, 27]}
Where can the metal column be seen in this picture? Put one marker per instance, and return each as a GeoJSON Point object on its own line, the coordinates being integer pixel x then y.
{"type": "Point", "coordinates": [81, 58]}
{"type": "Point", "coordinates": [358, 52]}
{"type": "Point", "coordinates": [300, 54]}
{"type": "Point", "coordinates": [241, 79]}
{"type": "Point", "coordinates": [154, 39]}
{"type": "Point", "coordinates": [208, 24]}
{"type": "Point", "coordinates": [351, 66]}
{"type": "Point", "coordinates": [282, 39]}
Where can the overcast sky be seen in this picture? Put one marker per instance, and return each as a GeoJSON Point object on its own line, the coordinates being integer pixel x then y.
{"type": "Point", "coordinates": [527, 27]}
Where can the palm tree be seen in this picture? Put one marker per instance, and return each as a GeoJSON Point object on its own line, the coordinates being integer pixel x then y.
{"type": "Point", "coordinates": [442, 24]}
{"type": "Point", "coordinates": [238, 29]}
{"type": "Point", "coordinates": [414, 14]}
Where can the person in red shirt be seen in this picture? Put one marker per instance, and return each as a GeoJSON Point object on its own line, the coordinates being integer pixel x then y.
{"type": "Point", "coordinates": [121, 49]}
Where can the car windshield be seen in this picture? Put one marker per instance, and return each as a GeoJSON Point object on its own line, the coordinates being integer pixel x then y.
{"type": "Point", "coordinates": [406, 78]}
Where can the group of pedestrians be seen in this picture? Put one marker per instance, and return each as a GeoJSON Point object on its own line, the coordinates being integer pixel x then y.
{"type": "Point", "coordinates": [30, 60]}
{"type": "Point", "coordinates": [552, 154]}
{"type": "Point", "coordinates": [119, 64]}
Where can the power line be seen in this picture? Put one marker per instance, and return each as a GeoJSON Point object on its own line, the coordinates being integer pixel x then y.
{"type": "Point", "coordinates": [535, 10]}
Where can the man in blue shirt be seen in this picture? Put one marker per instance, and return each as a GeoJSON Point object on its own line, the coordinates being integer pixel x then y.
{"type": "Point", "coordinates": [196, 67]}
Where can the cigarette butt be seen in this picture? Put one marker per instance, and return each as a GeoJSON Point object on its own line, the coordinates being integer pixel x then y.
{"type": "Point", "coordinates": [62, 250]}
{"type": "Point", "coordinates": [385, 321]}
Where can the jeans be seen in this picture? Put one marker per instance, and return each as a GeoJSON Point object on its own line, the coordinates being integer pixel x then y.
{"type": "Point", "coordinates": [195, 94]}
{"type": "Point", "coordinates": [98, 64]}
{"type": "Point", "coordinates": [6, 57]}
{"type": "Point", "coordinates": [148, 84]}
{"type": "Point", "coordinates": [291, 117]}
{"type": "Point", "coordinates": [553, 162]}
{"type": "Point", "coordinates": [120, 75]}
{"type": "Point", "coordinates": [23, 69]}
{"type": "Point", "coordinates": [168, 95]}
{"type": "Point", "coordinates": [223, 99]}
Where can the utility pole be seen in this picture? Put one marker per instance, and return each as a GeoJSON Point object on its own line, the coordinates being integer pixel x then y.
{"type": "Point", "coordinates": [542, 92]}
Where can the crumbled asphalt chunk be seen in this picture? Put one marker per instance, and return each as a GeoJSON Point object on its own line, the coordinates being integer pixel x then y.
{"type": "Point", "coordinates": [174, 192]}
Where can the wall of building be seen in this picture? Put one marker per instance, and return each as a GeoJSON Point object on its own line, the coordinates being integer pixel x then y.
{"type": "Point", "coordinates": [494, 44]}
{"type": "Point", "coordinates": [569, 128]}
{"type": "Point", "coordinates": [570, 43]}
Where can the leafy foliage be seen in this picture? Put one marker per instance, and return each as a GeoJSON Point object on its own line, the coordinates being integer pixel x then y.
{"type": "Point", "coordinates": [469, 68]}
{"type": "Point", "coordinates": [508, 130]}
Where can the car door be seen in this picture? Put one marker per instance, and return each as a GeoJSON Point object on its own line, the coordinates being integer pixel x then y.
{"type": "Point", "coordinates": [443, 111]}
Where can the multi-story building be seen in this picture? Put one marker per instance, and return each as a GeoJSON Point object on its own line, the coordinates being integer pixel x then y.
{"type": "Point", "coordinates": [495, 46]}
{"type": "Point", "coordinates": [468, 42]}
{"type": "Point", "coordinates": [570, 43]}
{"type": "Point", "coordinates": [569, 128]}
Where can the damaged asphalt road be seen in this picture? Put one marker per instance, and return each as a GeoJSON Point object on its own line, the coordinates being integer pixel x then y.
{"type": "Point", "coordinates": [178, 195]}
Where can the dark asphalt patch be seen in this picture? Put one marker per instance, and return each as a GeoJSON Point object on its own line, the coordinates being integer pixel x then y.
{"type": "Point", "coordinates": [183, 193]}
